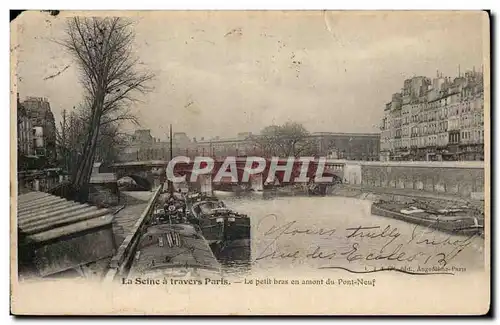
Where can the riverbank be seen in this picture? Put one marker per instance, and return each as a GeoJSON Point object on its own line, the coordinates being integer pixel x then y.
{"type": "Point", "coordinates": [396, 194]}
{"type": "Point", "coordinates": [359, 192]}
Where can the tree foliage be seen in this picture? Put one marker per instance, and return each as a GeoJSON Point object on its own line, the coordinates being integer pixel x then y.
{"type": "Point", "coordinates": [288, 140]}
{"type": "Point", "coordinates": [103, 51]}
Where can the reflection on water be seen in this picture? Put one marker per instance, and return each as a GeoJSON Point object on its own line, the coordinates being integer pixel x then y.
{"type": "Point", "coordinates": [319, 232]}
{"type": "Point", "coordinates": [235, 258]}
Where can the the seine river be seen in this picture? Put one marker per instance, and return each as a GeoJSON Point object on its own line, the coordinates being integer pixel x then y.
{"type": "Point", "coordinates": [337, 232]}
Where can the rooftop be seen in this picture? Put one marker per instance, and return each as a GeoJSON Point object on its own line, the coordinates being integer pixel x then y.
{"type": "Point", "coordinates": [44, 216]}
{"type": "Point", "coordinates": [60, 226]}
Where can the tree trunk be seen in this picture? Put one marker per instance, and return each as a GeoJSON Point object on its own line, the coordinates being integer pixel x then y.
{"type": "Point", "coordinates": [103, 50]}
{"type": "Point", "coordinates": [82, 175]}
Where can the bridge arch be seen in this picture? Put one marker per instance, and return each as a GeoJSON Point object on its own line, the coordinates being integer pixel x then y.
{"type": "Point", "coordinates": [141, 181]}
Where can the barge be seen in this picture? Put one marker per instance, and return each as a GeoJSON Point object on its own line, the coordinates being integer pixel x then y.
{"type": "Point", "coordinates": [463, 220]}
{"type": "Point", "coordinates": [220, 226]}
{"type": "Point", "coordinates": [174, 248]}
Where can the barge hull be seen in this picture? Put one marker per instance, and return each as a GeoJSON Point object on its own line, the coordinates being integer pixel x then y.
{"type": "Point", "coordinates": [441, 226]}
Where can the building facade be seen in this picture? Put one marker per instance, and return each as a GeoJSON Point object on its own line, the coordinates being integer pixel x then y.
{"type": "Point", "coordinates": [24, 131]}
{"type": "Point", "coordinates": [442, 119]}
{"type": "Point", "coordinates": [43, 127]}
{"type": "Point", "coordinates": [351, 146]}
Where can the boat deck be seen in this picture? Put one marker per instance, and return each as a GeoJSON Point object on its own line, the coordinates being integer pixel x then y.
{"type": "Point", "coordinates": [456, 220]}
{"type": "Point", "coordinates": [172, 246]}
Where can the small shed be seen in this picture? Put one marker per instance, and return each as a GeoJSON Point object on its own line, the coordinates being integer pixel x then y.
{"type": "Point", "coordinates": [56, 235]}
{"type": "Point", "coordinates": [103, 189]}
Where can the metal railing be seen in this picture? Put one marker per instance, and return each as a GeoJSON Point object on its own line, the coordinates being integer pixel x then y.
{"type": "Point", "coordinates": [120, 263]}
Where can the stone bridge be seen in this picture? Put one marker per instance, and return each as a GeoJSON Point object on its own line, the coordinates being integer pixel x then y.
{"type": "Point", "coordinates": [150, 172]}
{"type": "Point", "coordinates": [464, 179]}
{"type": "Point", "coordinates": [145, 173]}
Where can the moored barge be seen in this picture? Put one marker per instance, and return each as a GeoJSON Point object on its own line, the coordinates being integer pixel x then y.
{"type": "Point", "coordinates": [220, 226]}
{"type": "Point", "coordinates": [462, 220]}
{"type": "Point", "coordinates": [171, 247]}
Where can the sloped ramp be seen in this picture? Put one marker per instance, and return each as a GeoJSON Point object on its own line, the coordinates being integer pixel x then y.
{"type": "Point", "coordinates": [59, 235]}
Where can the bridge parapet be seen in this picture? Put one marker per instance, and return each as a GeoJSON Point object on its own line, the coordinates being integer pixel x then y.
{"type": "Point", "coordinates": [154, 169]}
{"type": "Point", "coordinates": [464, 179]}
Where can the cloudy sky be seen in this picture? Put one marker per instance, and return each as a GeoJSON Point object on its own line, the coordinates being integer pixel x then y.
{"type": "Point", "coordinates": [220, 73]}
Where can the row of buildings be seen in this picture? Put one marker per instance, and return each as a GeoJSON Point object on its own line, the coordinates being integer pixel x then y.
{"type": "Point", "coordinates": [36, 133]}
{"type": "Point", "coordinates": [438, 119]}
{"type": "Point", "coordinates": [143, 146]}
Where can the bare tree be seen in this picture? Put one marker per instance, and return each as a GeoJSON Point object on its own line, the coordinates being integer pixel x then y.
{"type": "Point", "coordinates": [267, 140]}
{"type": "Point", "coordinates": [103, 51]}
{"type": "Point", "coordinates": [289, 139]}
{"type": "Point", "coordinates": [111, 140]}
{"type": "Point", "coordinates": [72, 133]}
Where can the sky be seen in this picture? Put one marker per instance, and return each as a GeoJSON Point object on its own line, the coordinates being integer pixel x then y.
{"type": "Point", "coordinates": [219, 73]}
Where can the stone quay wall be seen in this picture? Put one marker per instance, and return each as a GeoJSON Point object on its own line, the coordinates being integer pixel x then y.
{"type": "Point", "coordinates": [464, 179]}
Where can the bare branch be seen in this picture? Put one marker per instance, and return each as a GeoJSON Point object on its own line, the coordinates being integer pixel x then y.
{"type": "Point", "coordinates": [121, 118]}
{"type": "Point", "coordinates": [103, 51]}
{"type": "Point", "coordinates": [289, 139]}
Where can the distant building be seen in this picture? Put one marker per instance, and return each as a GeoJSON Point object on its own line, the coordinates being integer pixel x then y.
{"type": "Point", "coordinates": [350, 146]}
{"type": "Point", "coordinates": [219, 148]}
{"type": "Point", "coordinates": [442, 119]}
{"type": "Point", "coordinates": [43, 127]}
{"type": "Point", "coordinates": [181, 139]}
{"type": "Point", "coordinates": [38, 140]}
{"type": "Point", "coordinates": [143, 146]}
{"type": "Point", "coordinates": [142, 137]}
{"type": "Point", "coordinates": [24, 131]}
{"type": "Point", "coordinates": [244, 135]}
{"type": "Point", "coordinates": [353, 146]}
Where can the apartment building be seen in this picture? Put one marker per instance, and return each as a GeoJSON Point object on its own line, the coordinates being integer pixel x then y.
{"type": "Point", "coordinates": [439, 119]}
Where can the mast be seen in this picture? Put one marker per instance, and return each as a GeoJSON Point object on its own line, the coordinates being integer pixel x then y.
{"type": "Point", "coordinates": [170, 184]}
{"type": "Point", "coordinates": [171, 155]}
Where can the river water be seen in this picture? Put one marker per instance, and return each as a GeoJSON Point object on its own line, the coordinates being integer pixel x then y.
{"type": "Point", "coordinates": [308, 233]}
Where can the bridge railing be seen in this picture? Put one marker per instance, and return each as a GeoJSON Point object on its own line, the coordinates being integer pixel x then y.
{"type": "Point", "coordinates": [125, 253]}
